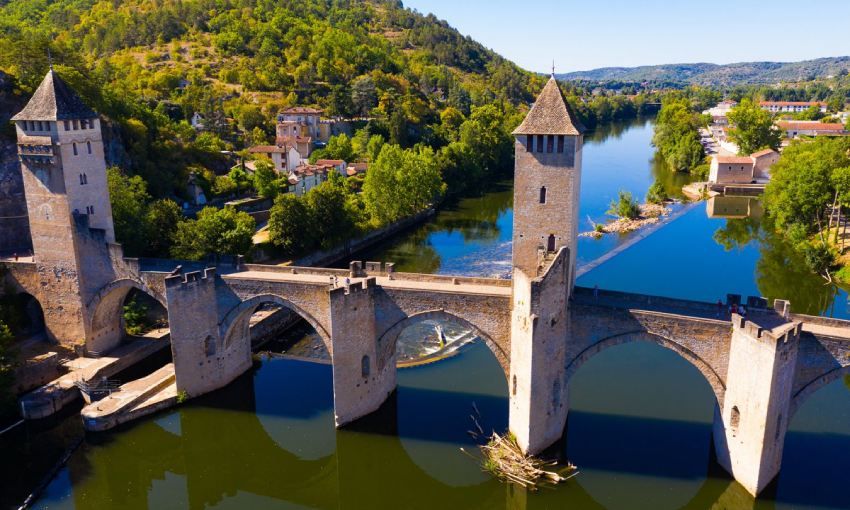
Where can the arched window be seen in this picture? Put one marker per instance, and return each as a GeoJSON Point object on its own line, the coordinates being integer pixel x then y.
{"type": "Point", "coordinates": [209, 345]}
{"type": "Point", "coordinates": [364, 367]}
{"type": "Point", "coordinates": [75, 149]}
{"type": "Point", "coordinates": [543, 195]}
{"type": "Point", "coordinates": [550, 245]}
{"type": "Point", "coordinates": [88, 146]}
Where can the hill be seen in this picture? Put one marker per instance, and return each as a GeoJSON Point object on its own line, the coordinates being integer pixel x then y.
{"type": "Point", "coordinates": [745, 73]}
{"type": "Point", "coordinates": [148, 65]}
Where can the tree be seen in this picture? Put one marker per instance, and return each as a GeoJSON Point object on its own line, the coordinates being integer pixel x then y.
{"type": "Point", "coordinates": [364, 95]}
{"type": "Point", "coordinates": [339, 147]}
{"type": "Point", "coordinates": [265, 179]}
{"type": "Point", "coordinates": [753, 128]}
{"type": "Point", "coordinates": [240, 178]}
{"type": "Point", "coordinates": [129, 197]}
{"type": "Point", "coordinates": [803, 183]}
{"type": "Point", "coordinates": [656, 194]}
{"type": "Point", "coordinates": [161, 220]}
{"type": "Point", "coordinates": [677, 134]}
{"type": "Point", "coordinates": [215, 232]}
{"type": "Point", "coordinates": [335, 221]}
{"type": "Point", "coordinates": [400, 183]}
{"type": "Point", "coordinates": [625, 206]}
{"type": "Point", "coordinates": [291, 225]}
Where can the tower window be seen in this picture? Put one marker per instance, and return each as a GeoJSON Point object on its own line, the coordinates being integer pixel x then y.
{"type": "Point", "coordinates": [88, 146]}
{"type": "Point", "coordinates": [550, 144]}
{"type": "Point", "coordinates": [560, 144]}
{"type": "Point", "coordinates": [67, 126]}
{"type": "Point", "coordinates": [539, 143]}
{"type": "Point", "coordinates": [364, 367]}
{"type": "Point", "coordinates": [543, 195]}
{"type": "Point", "coordinates": [75, 148]}
{"type": "Point", "coordinates": [76, 124]}
{"type": "Point", "coordinates": [529, 143]}
{"type": "Point", "coordinates": [550, 243]}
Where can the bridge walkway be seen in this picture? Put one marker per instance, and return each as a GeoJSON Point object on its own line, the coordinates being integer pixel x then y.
{"type": "Point", "coordinates": [397, 281]}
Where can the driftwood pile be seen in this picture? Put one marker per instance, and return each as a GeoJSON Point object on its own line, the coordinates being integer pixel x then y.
{"type": "Point", "coordinates": [505, 460]}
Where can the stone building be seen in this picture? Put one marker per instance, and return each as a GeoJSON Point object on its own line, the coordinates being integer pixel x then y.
{"type": "Point", "coordinates": [791, 106]}
{"type": "Point", "coordinates": [299, 121]}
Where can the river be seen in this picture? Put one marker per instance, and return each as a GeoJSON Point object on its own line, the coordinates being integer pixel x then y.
{"type": "Point", "coordinates": [640, 418]}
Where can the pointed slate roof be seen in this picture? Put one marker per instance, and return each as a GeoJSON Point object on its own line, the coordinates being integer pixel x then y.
{"type": "Point", "coordinates": [550, 115]}
{"type": "Point", "coordinates": [55, 100]}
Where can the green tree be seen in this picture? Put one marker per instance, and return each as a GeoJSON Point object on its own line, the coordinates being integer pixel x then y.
{"type": "Point", "coordinates": [364, 95]}
{"type": "Point", "coordinates": [753, 128]}
{"type": "Point", "coordinates": [266, 180]}
{"type": "Point", "coordinates": [330, 206]}
{"type": "Point", "coordinates": [129, 197]}
{"type": "Point", "coordinates": [291, 225]}
{"type": "Point", "coordinates": [240, 179]}
{"type": "Point", "coordinates": [677, 134]}
{"type": "Point", "coordinates": [339, 147]}
{"type": "Point", "coordinates": [215, 232]}
{"type": "Point", "coordinates": [625, 206]}
{"type": "Point", "coordinates": [400, 183]}
{"type": "Point", "coordinates": [803, 182]}
{"type": "Point", "coordinates": [161, 220]}
{"type": "Point", "coordinates": [656, 194]}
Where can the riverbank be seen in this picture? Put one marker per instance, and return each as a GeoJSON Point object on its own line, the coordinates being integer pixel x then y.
{"type": "Point", "coordinates": [650, 214]}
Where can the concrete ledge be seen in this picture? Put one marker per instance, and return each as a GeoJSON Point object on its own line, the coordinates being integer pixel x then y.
{"type": "Point", "coordinates": [116, 408]}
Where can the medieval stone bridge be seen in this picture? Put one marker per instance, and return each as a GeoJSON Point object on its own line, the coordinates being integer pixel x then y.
{"type": "Point", "coordinates": [538, 325]}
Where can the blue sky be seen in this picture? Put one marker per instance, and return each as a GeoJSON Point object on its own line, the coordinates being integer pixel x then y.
{"type": "Point", "coordinates": [582, 35]}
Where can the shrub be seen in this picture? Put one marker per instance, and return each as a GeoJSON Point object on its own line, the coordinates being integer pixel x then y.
{"type": "Point", "coordinates": [625, 206]}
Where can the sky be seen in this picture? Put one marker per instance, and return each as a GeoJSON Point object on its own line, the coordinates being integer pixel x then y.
{"type": "Point", "coordinates": [588, 34]}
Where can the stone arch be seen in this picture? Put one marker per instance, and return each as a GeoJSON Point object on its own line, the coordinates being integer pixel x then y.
{"type": "Point", "coordinates": [714, 380]}
{"type": "Point", "coordinates": [237, 319]}
{"type": "Point", "coordinates": [105, 312]}
{"type": "Point", "coordinates": [799, 398]}
{"type": "Point", "coordinates": [32, 313]}
{"type": "Point", "coordinates": [387, 340]}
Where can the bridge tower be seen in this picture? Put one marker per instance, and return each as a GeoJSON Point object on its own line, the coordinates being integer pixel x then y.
{"type": "Point", "coordinates": [750, 424]}
{"type": "Point", "coordinates": [547, 180]}
{"type": "Point", "coordinates": [64, 172]}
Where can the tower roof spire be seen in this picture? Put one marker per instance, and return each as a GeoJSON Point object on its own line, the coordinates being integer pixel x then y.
{"type": "Point", "coordinates": [550, 115]}
{"type": "Point", "coordinates": [55, 100]}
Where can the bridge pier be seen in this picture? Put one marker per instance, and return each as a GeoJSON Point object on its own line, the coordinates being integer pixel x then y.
{"type": "Point", "coordinates": [749, 428]}
{"type": "Point", "coordinates": [201, 362]}
{"type": "Point", "coordinates": [361, 384]}
{"type": "Point", "coordinates": [539, 326]}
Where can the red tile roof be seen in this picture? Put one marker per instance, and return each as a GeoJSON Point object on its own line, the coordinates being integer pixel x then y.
{"type": "Point", "coordinates": [268, 149]}
{"type": "Point", "coordinates": [734, 160]}
{"type": "Point", "coordinates": [764, 152]}
{"type": "Point", "coordinates": [803, 125]}
{"type": "Point", "coordinates": [332, 162]}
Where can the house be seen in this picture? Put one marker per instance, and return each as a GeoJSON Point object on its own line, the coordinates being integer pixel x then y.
{"type": "Point", "coordinates": [762, 161]}
{"type": "Point", "coordinates": [791, 106]}
{"type": "Point", "coordinates": [197, 121]}
{"type": "Point", "coordinates": [339, 165]}
{"type": "Point", "coordinates": [305, 118]}
{"type": "Point", "coordinates": [356, 169]}
{"type": "Point", "coordinates": [731, 170]}
{"type": "Point", "coordinates": [306, 177]}
{"type": "Point", "coordinates": [795, 128]}
{"type": "Point", "coordinates": [284, 157]}
{"type": "Point", "coordinates": [722, 109]}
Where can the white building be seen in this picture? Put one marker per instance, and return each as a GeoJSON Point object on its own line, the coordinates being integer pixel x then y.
{"type": "Point", "coordinates": [285, 158]}
{"type": "Point", "coordinates": [791, 106]}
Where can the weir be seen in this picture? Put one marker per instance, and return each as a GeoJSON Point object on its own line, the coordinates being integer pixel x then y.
{"type": "Point", "coordinates": [540, 327]}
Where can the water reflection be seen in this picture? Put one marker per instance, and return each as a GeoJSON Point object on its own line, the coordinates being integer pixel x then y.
{"type": "Point", "coordinates": [780, 270]}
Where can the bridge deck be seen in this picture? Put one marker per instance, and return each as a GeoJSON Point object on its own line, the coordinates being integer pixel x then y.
{"type": "Point", "coordinates": [397, 282]}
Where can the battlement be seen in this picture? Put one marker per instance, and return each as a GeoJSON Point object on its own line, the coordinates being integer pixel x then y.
{"type": "Point", "coordinates": [191, 278]}
{"type": "Point", "coordinates": [768, 328]}
{"type": "Point", "coordinates": [355, 288]}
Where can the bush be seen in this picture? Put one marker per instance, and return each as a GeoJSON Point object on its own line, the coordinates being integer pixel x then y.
{"type": "Point", "coordinates": [135, 317]}
{"type": "Point", "coordinates": [625, 206]}
{"type": "Point", "coordinates": [656, 193]}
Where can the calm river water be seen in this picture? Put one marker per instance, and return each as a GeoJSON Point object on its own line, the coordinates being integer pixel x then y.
{"type": "Point", "coordinates": [640, 417]}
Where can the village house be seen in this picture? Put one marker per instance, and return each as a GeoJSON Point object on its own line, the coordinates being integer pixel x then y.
{"type": "Point", "coordinates": [306, 120]}
{"type": "Point", "coordinates": [284, 157]}
{"type": "Point", "coordinates": [791, 106]}
{"type": "Point", "coordinates": [306, 177]}
{"type": "Point", "coordinates": [356, 169]}
{"type": "Point", "coordinates": [721, 110]}
{"type": "Point", "coordinates": [197, 121]}
{"type": "Point", "coordinates": [751, 169]}
{"type": "Point", "coordinates": [339, 165]}
{"type": "Point", "coordinates": [795, 128]}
